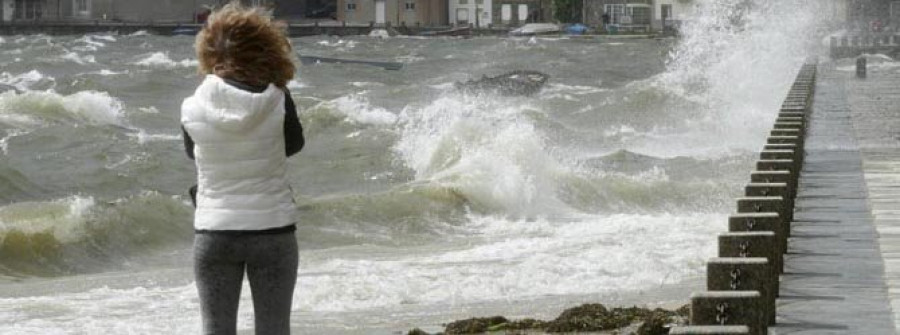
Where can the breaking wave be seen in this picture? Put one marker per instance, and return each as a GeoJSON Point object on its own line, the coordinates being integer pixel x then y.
{"type": "Point", "coordinates": [81, 234]}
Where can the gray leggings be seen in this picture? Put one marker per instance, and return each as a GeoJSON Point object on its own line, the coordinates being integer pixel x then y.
{"type": "Point", "coordinates": [271, 264]}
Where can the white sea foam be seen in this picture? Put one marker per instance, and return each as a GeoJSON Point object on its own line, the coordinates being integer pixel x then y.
{"type": "Point", "coordinates": [4, 142]}
{"type": "Point", "coordinates": [34, 109]}
{"type": "Point", "coordinates": [365, 84]}
{"type": "Point", "coordinates": [90, 43]}
{"type": "Point", "coordinates": [108, 38]}
{"type": "Point", "coordinates": [619, 130]}
{"type": "Point", "coordinates": [358, 109]}
{"type": "Point", "coordinates": [161, 60]}
{"type": "Point", "coordinates": [520, 259]}
{"type": "Point", "coordinates": [77, 58]}
{"type": "Point", "coordinates": [149, 110]}
{"type": "Point", "coordinates": [106, 72]}
{"type": "Point", "coordinates": [140, 33]}
{"type": "Point", "coordinates": [339, 45]}
{"type": "Point", "coordinates": [143, 137]}
{"type": "Point", "coordinates": [25, 81]}
{"type": "Point", "coordinates": [295, 85]}
{"type": "Point", "coordinates": [568, 92]}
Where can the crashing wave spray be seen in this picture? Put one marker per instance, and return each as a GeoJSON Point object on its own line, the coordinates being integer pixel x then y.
{"type": "Point", "coordinates": [737, 57]}
{"type": "Point", "coordinates": [496, 160]}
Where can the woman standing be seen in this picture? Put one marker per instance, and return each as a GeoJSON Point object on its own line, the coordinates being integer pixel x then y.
{"type": "Point", "coordinates": [240, 125]}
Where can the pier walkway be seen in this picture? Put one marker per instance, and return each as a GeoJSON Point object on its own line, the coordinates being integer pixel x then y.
{"type": "Point", "coordinates": [834, 278]}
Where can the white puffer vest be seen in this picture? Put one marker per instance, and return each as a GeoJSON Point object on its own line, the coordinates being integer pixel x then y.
{"type": "Point", "coordinates": [240, 157]}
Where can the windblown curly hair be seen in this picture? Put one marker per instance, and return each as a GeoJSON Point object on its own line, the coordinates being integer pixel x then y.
{"type": "Point", "coordinates": [245, 44]}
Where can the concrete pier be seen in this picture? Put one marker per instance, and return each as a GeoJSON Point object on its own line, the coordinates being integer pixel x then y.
{"type": "Point", "coordinates": [834, 278]}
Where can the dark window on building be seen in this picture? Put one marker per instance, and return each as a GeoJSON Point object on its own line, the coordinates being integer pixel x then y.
{"type": "Point", "coordinates": [29, 9]}
{"type": "Point", "coordinates": [640, 15]}
{"type": "Point", "coordinates": [410, 6]}
{"type": "Point", "coordinates": [666, 12]}
{"type": "Point", "coordinates": [351, 6]}
{"type": "Point", "coordinates": [81, 6]}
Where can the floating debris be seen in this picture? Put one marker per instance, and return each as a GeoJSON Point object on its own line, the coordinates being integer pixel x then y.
{"type": "Point", "coordinates": [518, 82]}
{"type": "Point", "coordinates": [313, 60]}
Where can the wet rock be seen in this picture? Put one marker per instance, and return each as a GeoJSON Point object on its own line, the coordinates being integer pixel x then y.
{"type": "Point", "coordinates": [417, 331]}
{"type": "Point", "coordinates": [475, 325]}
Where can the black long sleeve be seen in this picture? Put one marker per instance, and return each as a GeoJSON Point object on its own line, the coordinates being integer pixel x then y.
{"type": "Point", "coordinates": [188, 143]}
{"type": "Point", "coordinates": [293, 130]}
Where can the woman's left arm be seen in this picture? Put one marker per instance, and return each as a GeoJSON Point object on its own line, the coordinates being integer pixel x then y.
{"type": "Point", "coordinates": [293, 130]}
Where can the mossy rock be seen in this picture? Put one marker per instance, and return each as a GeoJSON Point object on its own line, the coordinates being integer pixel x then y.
{"type": "Point", "coordinates": [475, 325]}
{"type": "Point", "coordinates": [684, 311]}
{"type": "Point", "coordinates": [655, 324]}
{"type": "Point", "coordinates": [589, 317]}
{"type": "Point", "coordinates": [525, 324]}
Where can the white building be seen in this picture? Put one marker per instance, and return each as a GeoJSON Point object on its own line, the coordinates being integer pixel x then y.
{"type": "Point", "coordinates": [672, 13]}
{"type": "Point", "coordinates": [478, 13]}
{"type": "Point", "coordinates": [835, 11]}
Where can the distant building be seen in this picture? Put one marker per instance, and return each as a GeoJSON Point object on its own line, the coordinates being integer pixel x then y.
{"type": "Point", "coordinates": [670, 14]}
{"type": "Point", "coordinates": [27, 10]}
{"type": "Point", "coordinates": [291, 10]}
{"type": "Point", "coordinates": [517, 12]}
{"type": "Point", "coordinates": [835, 11]}
{"type": "Point", "coordinates": [181, 11]}
{"type": "Point", "coordinates": [477, 13]}
{"type": "Point", "coordinates": [863, 15]}
{"type": "Point", "coordinates": [394, 12]}
{"type": "Point", "coordinates": [630, 15]}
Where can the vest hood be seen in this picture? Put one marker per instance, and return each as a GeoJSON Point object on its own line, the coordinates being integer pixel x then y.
{"type": "Point", "coordinates": [231, 108]}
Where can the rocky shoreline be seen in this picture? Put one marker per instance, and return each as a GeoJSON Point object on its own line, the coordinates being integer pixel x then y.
{"type": "Point", "coordinates": [587, 318]}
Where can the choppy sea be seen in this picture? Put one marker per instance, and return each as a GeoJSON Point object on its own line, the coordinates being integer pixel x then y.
{"type": "Point", "coordinates": [418, 203]}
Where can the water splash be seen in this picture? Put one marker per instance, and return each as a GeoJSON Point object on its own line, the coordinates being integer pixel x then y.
{"type": "Point", "coordinates": [740, 56]}
{"type": "Point", "coordinates": [485, 147]}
